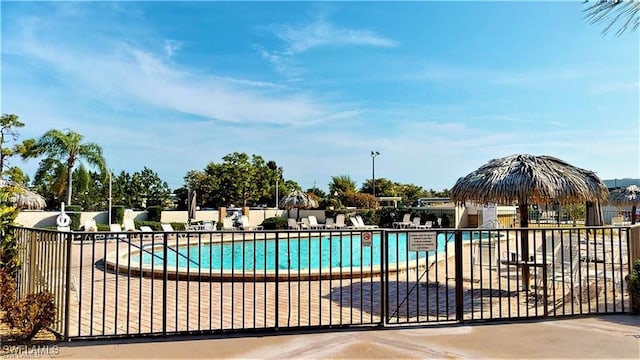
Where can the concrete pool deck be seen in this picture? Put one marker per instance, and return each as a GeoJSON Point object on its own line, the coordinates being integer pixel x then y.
{"type": "Point", "coordinates": [595, 337]}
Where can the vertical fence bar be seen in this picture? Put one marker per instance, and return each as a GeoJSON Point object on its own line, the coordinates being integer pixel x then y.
{"type": "Point", "coordinates": [458, 272]}
{"type": "Point", "coordinates": [277, 282]}
{"type": "Point", "coordinates": [67, 295]}
{"type": "Point", "coordinates": [165, 275]}
{"type": "Point", "coordinates": [384, 278]}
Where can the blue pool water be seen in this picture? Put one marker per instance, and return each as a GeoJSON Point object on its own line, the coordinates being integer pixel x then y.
{"type": "Point", "coordinates": [312, 253]}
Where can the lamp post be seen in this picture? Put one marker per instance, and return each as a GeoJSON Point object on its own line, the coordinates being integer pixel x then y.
{"type": "Point", "coordinates": [373, 168]}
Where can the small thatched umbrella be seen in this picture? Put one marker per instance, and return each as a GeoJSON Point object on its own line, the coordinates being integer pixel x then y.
{"type": "Point", "coordinates": [299, 200]}
{"type": "Point", "coordinates": [626, 196]}
{"type": "Point", "coordinates": [527, 179]}
{"type": "Point", "coordinates": [24, 198]}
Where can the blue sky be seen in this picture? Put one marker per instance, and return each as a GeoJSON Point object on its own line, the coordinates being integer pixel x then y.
{"type": "Point", "coordinates": [438, 88]}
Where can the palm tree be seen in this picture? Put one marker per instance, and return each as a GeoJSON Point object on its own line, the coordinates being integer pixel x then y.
{"type": "Point", "coordinates": [342, 184]}
{"type": "Point", "coordinates": [67, 148]}
{"type": "Point", "coordinates": [627, 12]}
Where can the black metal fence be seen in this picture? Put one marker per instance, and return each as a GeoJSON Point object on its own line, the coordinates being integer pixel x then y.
{"type": "Point", "coordinates": [161, 283]}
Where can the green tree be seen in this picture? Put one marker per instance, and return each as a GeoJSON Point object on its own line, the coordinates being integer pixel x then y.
{"type": "Point", "coordinates": [67, 148]}
{"type": "Point", "coordinates": [342, 184]}
{"type": "Point", "coordinates": [609, 12]}
{"type": "Point", "coordinates": [148, 188]}
{"type": "Point", "coordinates": [8, 125]}
{"type": "Point", "coordinates": [239, 179]}
{"type": "Point", "coordinates": [384, 187]}
{"type": "Point", "coordinates": [319, 194]}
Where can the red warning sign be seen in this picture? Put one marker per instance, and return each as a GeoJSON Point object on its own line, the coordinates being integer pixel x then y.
{"type": "Point", "coordinates": [366, 238]}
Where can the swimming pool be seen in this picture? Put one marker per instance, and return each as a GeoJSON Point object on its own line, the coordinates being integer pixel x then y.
{"type": "Point", "coordinates": [326, 256]}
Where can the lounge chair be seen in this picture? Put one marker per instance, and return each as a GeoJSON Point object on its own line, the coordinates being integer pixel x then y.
{"type": "Point", "coordinates": [246, 224]}
{"type": "Point", "coordinates": [358, 223]}
{"type": "Point", "coordinates": [292, 224]}
{"type": "Point", "coordinates": [208, 225]}
{"type": "Point", "coordinates": [167, 227]}
{"type": "Point", "coordinates": [313, 222]}
{"type": "Point", "coordinates": [366, 226]}
{"type": "Point", "coordinates": [227, 224]}
{"type": "Point", "coordinates": [405, 223]}
{"type": "Point", "coordinates": [416, 223]}
{"type": "Point", "coordinates": [329, 223]}
{"type": "Point", "coordinates": [115, 228]}
{"type": "Point", "coordinates": [147, 231]}
{"type": "Point", "coordinates": [340, 224]}
{"type": "Point", "coordinates": [128, 225]}
{"type": "Point", "coordinates": [90, 225]}
{"type": "Point", "coordinates": [304, 224]}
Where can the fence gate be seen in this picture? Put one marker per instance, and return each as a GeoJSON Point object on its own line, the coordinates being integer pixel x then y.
{"type": "Point", "coordinates": [482, 274]}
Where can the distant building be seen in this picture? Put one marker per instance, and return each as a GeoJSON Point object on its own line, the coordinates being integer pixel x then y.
{"type": "Point", "coordinates": [620, 183]}
{"type": "Point", "coordinates": [432, 201]}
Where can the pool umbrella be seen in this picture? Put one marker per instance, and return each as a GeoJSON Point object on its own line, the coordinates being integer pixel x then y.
{"type": "Point", "coordinates": [299, 200]}
{"type": "Point", "coordinates": [24, 198]}
{"type": "Point", "coordinates": [526, 179]}
{"type": "Point", "coordinates": [626, 196]}
{"type": "Point", "coordinates": [191, 210]}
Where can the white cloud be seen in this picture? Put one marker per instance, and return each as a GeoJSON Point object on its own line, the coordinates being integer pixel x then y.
{"type": "Point", "coordinates": [322, 33]}
{"type": "Point", "coordinates": [171, 46]}
{"type": "Point", "coordinates": [319, 33]}
{"type": "Point", "coordinates": [127, 73]}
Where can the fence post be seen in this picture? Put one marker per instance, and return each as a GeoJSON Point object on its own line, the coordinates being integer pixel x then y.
{"type": "Point", "coordinates": [277, 280]}
{"type": "Point", "coordinates": [458, 274]}
{"type": "Point", "coordinates": [384, 309]}
{"type": "Point", "coordinates": [165, 277]}
{"type": "Point", "coordinates": [67, 293]}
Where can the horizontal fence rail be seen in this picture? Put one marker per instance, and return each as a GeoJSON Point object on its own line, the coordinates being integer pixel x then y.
{"type": "Point", "coordinates": [136, 283]}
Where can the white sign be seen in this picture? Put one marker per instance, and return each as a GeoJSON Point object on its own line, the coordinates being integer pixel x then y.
{"type": "Point", "coordinates": [490, 216]}
{"type": "Point", "coordinates": [423, 241]}
{"type": "Point", "coordinates": [366, 239]}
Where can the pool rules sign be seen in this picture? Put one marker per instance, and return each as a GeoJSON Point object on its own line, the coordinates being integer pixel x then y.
{"type": "Point", "coordinates": [423, 241]}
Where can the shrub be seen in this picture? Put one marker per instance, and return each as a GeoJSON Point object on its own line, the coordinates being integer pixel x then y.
{"type": "Point", "coordinates": [7, 289]}
{"type": "Point", "coordinates": [8, 213]}
{"type": "Point", "coordinates": [154, 225]}
{"type": "Point", "coordinates": [31, 314]}
{"type": "Point", "coordinates": [370, 217]}
{"type": "Point", "coordinates": [74, 214]}
{"type": "Point", "coordinates": [154, 213]}
{"type": "Point", "coordinates": [360, 200]}
{"type": "Point", "coordinates": [117, 214]}
{"type": "Point", "coordinates": [274, 223]}
{"type": "Point", "coordinates": [178, 226]}
{"type": "Point", "coordinates": [103, 227]}
{"type": "Point", "coordinates": [633, 287]}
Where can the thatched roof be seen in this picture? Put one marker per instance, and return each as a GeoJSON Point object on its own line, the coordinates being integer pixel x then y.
{"type": "Point", "coordinates": [524, 178]}
{"type": "Point", "coordinates": [298, 199]}
{"type": "Point", "coordinates": [24, 198]}
{"type": "Point", "coordinates": [625, 196]}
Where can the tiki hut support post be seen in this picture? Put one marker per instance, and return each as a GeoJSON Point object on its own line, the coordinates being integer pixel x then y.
{"type": "Point", "coordinates": [524, 240]}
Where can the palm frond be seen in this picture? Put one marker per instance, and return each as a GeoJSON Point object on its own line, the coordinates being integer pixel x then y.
{"type": "Point", "coordinates": [609, 12]}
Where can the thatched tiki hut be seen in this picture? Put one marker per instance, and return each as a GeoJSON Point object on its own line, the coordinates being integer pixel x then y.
{"type": "Point", "coordinates": [299, 200]}
{"type": "Point", "coordinates": [626, 196]}
{"type": "Point", "coordinates": [24, 198]}
{"type": "Point", "coordinates": [526, 179]}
